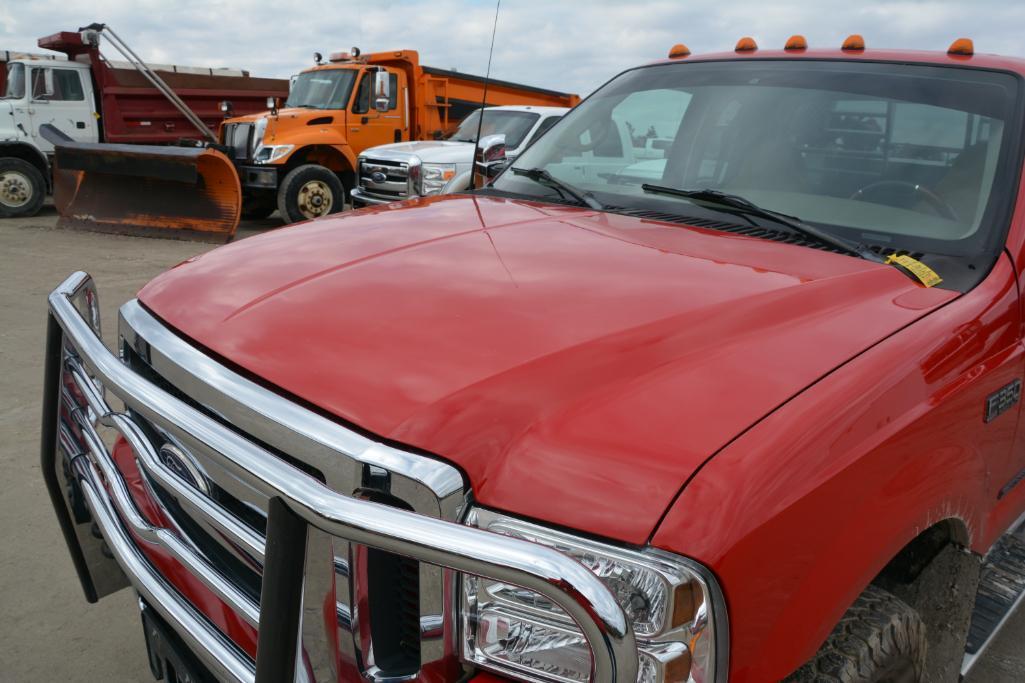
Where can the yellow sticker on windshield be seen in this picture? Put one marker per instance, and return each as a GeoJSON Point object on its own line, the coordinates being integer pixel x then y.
{"type": "Point", "coordinates": [923, 273]}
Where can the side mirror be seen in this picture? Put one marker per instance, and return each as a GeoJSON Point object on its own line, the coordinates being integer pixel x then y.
{"type": "Point", "coordinates": [489, 159]}
{"type": "Point", "coordinates": [382, 90]}
{"type": "Point", "coordinates": [272, 104]}
{"type": "Point", "coordinates": [48, 87]}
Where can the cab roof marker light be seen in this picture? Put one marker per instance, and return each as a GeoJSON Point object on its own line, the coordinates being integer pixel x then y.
{"type": "Point", "coordinates": [746, 44]}
{"type": "Point", "coordinates": [796, 42]}
{"type": "Point", "coordinates": [963, 47]}
{"type": "Point", "coordinates": [854, 42]}
{"type": "Point", "coordinates": [679, 51]}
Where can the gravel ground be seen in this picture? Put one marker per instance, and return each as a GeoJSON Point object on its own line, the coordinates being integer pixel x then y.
{"type": "Point", "coordinates": [48, 631]}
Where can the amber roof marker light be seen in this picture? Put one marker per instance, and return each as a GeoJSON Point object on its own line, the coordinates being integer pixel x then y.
{"type": "Point", "coordinates": [679, 51]}
{"type": "Point", "coordinates": [746, 44]}
{"type": "Point", "coordinates": [853, 43]}
{"type": "Point", "coordinates": [963, 47]}
{"type": "Point", "coordinates": [796, 42]}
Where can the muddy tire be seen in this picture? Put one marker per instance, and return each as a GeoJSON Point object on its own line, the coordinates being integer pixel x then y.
{"type": "Point", "coordinates": [310, 191]}
{"type": "Point", "coordinates": [880, 639]}
{"type": "Point", "coordinates": [22, 188]}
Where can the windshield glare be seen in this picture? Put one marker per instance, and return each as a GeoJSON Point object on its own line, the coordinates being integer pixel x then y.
{"type": "Point", "coordinates": [513, 124]}
{"type": "Point", "coordinates": [15, 88]}
{"type": "Point", "coordinates": [322, 89]}
{"type": "Point", "coordinates": [886, 154]}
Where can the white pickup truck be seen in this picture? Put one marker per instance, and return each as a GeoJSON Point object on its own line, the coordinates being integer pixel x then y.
{"type": "Point", "coordinates": [402, 170]}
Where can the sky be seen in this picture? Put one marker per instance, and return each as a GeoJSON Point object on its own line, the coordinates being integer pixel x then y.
{"type": "Point", "coordinates": [559, 44]}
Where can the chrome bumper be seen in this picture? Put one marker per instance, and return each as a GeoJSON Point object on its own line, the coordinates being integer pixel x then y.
{"type": "Point", "coordinates": [358, 195]}
{"type": "Point", "coordinates": [298, 504]}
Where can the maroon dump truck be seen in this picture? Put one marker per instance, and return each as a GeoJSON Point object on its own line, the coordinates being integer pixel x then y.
{"type": "Point", "coordinates": [90, 98]}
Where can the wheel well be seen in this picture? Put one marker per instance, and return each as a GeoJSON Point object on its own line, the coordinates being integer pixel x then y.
{"type": "Point", "coordinates": [938, 576]}
{"type": "Point", "coordinates": [914, 557]}
{"type": "Point", "coordinates": [29, 154]}
{"type": "Point", "coordinates": [326, 156]}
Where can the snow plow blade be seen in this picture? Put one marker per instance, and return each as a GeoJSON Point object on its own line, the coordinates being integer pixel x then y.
{"type": "Point", "coordinates": [187, 193]}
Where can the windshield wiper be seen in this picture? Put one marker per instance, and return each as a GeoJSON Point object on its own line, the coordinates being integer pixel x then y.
{"type": "Point", "coordinates": [748, 207]}
{"type": "Point", "coordinates": [539, 175]}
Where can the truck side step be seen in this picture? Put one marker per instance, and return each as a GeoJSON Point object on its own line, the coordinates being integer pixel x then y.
{"type": "Point", "coordinates": [1001, 592]}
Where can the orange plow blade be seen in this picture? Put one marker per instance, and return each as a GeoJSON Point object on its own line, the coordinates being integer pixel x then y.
{"type": "Point", "coordinates": [175, 192]}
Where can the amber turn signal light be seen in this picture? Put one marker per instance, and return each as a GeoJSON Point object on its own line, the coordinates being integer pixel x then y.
{"type": "Point", "coordinates": [746, 44]}
{"type": "Point", "coordinates": [796, 43]}
{"type": "Point", "coordinates": [962, 46]}
{"type": "Point", "coordinates": [678, 50]}
{"type": "Point", "coordinates": [854, 42]}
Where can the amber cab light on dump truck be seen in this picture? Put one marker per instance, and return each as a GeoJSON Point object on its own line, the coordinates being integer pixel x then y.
{"type": "Point", "coordinates": [719, 379]}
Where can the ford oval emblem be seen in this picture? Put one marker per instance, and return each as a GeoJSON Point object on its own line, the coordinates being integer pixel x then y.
{"type": "Point", "coordinates": [183, 465]}
{"type": "Point", "coordinates": [378, 177]}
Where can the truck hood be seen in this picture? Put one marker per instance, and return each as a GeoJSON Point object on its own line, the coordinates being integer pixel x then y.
{"type": "Point", "coordinates": [429, 151]}
{"type": "Point", "coordinates": [578, 366]}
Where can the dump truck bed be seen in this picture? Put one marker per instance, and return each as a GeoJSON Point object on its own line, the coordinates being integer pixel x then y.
{"type": "Point", "coordinates": [133, 111]}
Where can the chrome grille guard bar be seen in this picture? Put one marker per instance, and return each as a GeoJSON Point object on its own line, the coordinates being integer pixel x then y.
{"type": "Point", "coordinates": [297, 501]}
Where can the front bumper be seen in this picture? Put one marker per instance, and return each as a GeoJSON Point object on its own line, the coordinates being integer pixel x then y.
{"type": "Point", "coordinates": [360, 197]}
{"type": "Point", "coordinates": [258, 177]}
{"type": "Point", "coordinates": [298, 507]}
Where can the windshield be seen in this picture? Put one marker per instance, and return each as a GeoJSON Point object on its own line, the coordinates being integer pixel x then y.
{"type": "Point", "coordinates": [514, 124]}
{"type": "Point", "coordinates": [913, 157]}
{"type": "Point", "coordinates": [322, 89]}
{"type": "Point", "coordinates": [15, 82]}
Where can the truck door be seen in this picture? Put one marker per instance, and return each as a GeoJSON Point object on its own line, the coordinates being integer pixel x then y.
{"type": "Point", "coordinates": [369, 127]}
{"type": "Point", "coordinates": [58, 96]}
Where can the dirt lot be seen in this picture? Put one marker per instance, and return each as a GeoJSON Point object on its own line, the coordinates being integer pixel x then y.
{"type": "Point", "coordinates": [48, 632]}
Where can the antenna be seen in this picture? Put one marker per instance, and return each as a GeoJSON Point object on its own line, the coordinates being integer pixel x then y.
{"type": "Point", "coordinates": [484, 99]}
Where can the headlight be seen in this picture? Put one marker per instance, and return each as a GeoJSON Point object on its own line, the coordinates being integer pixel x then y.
{"type": "Point", "coordinates": [259, 128]}
{"type": "Point", "coordinates": [672, 602]}
{"type": "Point", "coordinates": [434, 176]}
{"type": "Point", "coordinates": [271, 153]}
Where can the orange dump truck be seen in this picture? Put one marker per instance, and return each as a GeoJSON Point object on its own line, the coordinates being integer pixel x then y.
{"type": "Point", "coordinates": [301, 159]}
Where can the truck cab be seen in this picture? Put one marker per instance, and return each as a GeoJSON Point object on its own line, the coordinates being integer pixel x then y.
{"type": "Point", "coordinates": [441, 161]}
{"type": "Point", "coordinates": [39, 91]}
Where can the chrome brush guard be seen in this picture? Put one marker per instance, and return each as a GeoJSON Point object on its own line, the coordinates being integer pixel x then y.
{"type": "Point", "coordinates": [302, 474]}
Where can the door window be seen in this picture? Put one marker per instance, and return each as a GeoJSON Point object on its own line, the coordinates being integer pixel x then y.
{"type": "Point", "coordinates": [364, 99]}
{"type": "Point", "coordinates": [51, 84]}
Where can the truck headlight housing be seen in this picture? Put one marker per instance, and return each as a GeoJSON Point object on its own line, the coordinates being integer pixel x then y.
{"type": "Point", "coordinates": [434, 176]}
{"type": "Point", "coordinates": [268, 154]}
{"type": "Point", "coordinates": [674, 604]}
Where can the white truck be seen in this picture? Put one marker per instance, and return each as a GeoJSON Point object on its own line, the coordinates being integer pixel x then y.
{"type": "Point", "coordinates": [91, 99]}
{"type": "Point", "coordinates": [403, 170]}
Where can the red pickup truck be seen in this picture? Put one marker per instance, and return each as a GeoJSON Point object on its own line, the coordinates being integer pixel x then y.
{"type": "Point", "coordinates": [720, 379]}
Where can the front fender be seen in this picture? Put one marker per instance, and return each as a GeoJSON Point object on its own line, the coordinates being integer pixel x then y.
{"type": "Point", "coordinates": [798, 514]}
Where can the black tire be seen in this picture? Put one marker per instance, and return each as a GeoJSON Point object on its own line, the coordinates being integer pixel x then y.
{"type": "Point", "coordinates": [258, 208]}
{"type": "Point", "coordinates": [22, 188]}
{"type": "Point", "coordinates": [880, 639]}
{"type": "Point", "coordinates": [305, 186]}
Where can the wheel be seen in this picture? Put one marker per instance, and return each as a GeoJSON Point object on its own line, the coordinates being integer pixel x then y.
{"type": "Point", "coordinates": [310, 191]}
{"type": "Point", "coordinates": [880, 639]}
{"type": "Point", "coordinates": [22, 188]}
{"type": "Point", "coordinates": [257, 208]}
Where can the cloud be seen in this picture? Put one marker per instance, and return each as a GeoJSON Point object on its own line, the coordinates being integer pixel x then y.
{"type": "Point", "coordinates": [562, 45]}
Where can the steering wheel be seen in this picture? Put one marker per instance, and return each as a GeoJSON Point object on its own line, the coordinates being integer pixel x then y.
{"type": "Point", "coordinates": [935, 202]}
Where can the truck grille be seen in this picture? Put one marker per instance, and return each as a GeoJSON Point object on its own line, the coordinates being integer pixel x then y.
{"type": "Point", "coordinates": [385, 179]}
{"type": "Point", "coordinates": [239, 137]}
